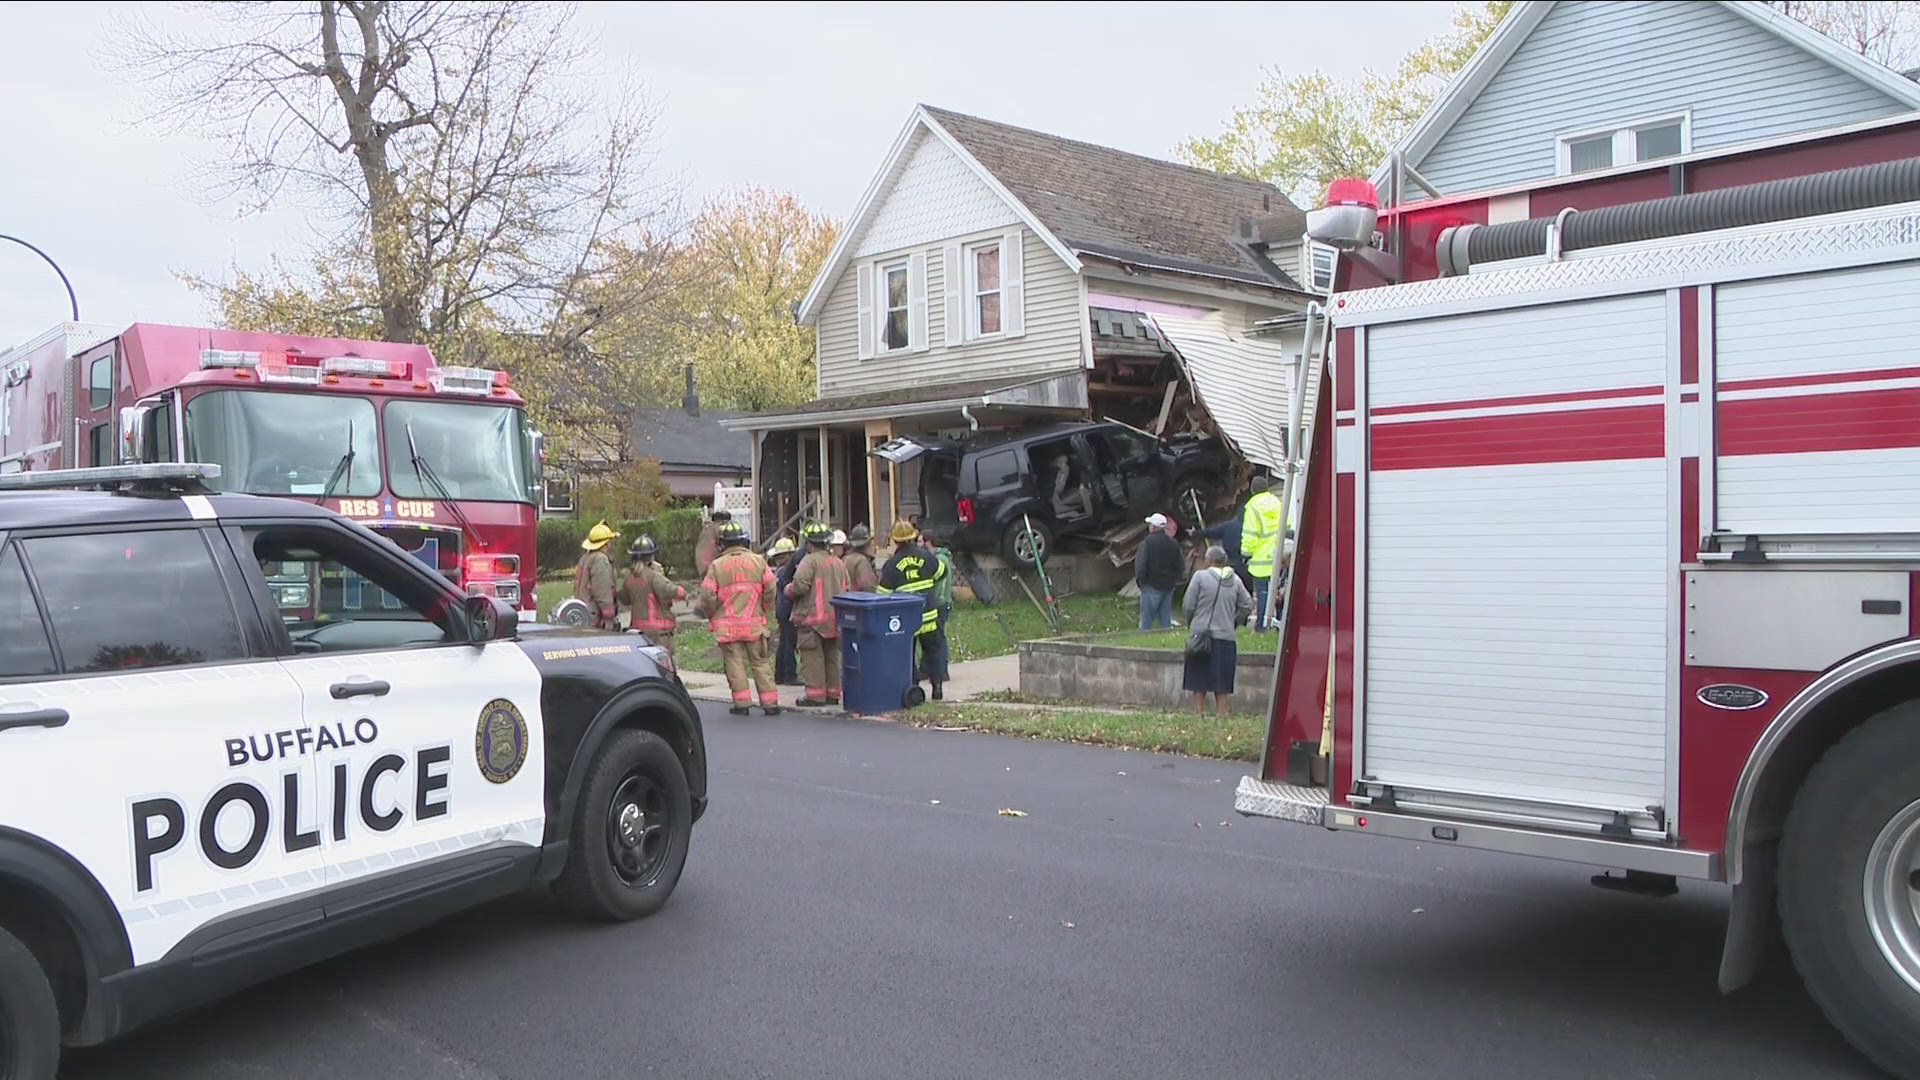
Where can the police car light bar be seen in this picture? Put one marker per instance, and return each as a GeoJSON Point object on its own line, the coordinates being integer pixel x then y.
{"type": "Point", "coordinates": [157, 472]}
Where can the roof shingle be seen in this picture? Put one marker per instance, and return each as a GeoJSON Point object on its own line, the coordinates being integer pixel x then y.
{"type": "Point", "coordinates": [1128, 207]}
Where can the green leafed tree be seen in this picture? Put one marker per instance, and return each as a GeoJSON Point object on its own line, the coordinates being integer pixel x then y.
{"type": "Point", "coordinates": [1310, 128]}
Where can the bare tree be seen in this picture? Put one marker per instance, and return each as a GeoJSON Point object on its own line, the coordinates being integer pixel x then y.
{"type": "Point", "coordinates": [456, 146]}
{"type": "Point", "coordinates": [1883, 30]}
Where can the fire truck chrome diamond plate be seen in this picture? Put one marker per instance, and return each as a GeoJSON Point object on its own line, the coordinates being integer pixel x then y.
{"type": "Point", "coordinates": [1266, 798]}
{"type": "Point", "coordinates": [1842, 239]}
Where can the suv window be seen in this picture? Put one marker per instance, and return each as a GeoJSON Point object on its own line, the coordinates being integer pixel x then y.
{"type": "Point", "coordinates": [134, 599]}
{"type": "Point", "coordinates": [336, 596]}
{"type": "Point", "coordinates": [24, 649]}
{"type": "Point", "coordinates": [996, 468]}
{"type": "Point", "coordinates": [1130, 449]}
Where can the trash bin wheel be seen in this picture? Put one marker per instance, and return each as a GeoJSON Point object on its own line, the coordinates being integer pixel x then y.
{"type": "Point", "coordinates": [913, 697]}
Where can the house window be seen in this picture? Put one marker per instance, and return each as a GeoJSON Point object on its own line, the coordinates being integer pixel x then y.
{"type": "Point", "coordinates": [1626, 144]}
{"type": "Point", "coordinates": [983, 289]}
{"type": "Point", "coordinates": [893, 309]}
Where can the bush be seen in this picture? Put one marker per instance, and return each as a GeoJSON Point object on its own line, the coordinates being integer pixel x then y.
{"type": "Point", "coordinates": [674, 530]}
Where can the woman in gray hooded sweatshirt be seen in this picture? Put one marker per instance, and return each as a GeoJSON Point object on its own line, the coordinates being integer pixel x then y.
{"type": "Point", "coordinates": [1215, 603]}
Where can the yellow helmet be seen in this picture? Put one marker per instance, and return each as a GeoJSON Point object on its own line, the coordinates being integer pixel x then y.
{"type": "Point", "coordinates": [782, 546]}
{"type": "Point", "coordinates": [904, 532]}
{"type": "Point", "coordinates": [598, 537]}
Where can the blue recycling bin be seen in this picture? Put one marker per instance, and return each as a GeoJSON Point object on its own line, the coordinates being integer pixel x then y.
{"type": "Point", "coordinates": [876, 649]}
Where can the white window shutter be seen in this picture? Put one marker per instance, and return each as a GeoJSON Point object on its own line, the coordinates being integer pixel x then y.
{"type": "Point", "coordinates": [953, 283]}
{"type": "Point", "coordinates": [917, 302]}
{"type": "Point", "coordinates": [1013, 287]}
{"type": "Point", "coordinates": [863, 300]}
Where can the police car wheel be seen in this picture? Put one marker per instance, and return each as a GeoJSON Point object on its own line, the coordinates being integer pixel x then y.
{"type": "Point", "coordinates": [29, 1018]}
{"type": "Point", "coordinates": [630, 830]}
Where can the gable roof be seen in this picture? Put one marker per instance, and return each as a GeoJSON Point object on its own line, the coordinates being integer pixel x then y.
{"type": "Point", "coordinates": [677, 437]}
{"type": "Point", "coordinates": [1084, 199]}
{"type": "Point", "coordinates": [1527, 16]}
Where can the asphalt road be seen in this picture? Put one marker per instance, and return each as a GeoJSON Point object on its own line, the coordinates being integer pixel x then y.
{"type": "Point", "coordinates": [836, 922]}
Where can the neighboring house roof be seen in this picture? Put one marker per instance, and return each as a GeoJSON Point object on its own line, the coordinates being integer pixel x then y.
{"type": "Point", "coordinates": [1527, 16]}
{"type": "Point", "coordinates": [1083, 199]}
{"type": "Point", "coordinates": [677, 437]}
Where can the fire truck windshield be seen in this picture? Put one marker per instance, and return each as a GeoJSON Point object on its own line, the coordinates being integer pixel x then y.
{"type": "Point", "coordinates": [479, 452]}
{"type": "Point", "coordinates": [271, 443]}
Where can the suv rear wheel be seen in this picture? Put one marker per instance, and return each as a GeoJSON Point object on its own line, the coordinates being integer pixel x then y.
{"type": "Point", "coordinates": [1187, 491]}
{"type": "Point", "coordinates": [1023, 547]}
{"type": "Point", "coordinates": [29, 1019]}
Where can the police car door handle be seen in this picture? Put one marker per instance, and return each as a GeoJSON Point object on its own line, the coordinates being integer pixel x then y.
{"type": "Point", "coordinates": [13, 718]}
{"type": "Point", "coordinates": [359, 688]}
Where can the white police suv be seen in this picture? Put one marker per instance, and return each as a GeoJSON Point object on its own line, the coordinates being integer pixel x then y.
{"type": "Point", "coordinates": [240, 734]}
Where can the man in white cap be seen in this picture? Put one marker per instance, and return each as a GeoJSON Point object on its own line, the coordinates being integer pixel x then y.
{"type": "Point", "coordinates": [1157, 567]}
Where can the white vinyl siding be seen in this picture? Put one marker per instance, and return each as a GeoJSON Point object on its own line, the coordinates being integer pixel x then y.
{"type": "Point", "coordinates": [1521, 351]}
{"type": "Point", "coordinates": [1819, 324]}
{"type": "Point", "coordinates": [1048, 340]}
{"type": "Point", "coordinates": [1593, 63]}
{"type": "Point", "coordinates": [933, 195]}
{"type": "Point", "coordinates": [1516, 615]}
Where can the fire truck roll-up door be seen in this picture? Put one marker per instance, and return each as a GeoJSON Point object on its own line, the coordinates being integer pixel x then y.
{"type": "Point", "coordinates": [1517, 565]}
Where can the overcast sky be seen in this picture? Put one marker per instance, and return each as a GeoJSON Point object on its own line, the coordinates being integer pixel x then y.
{"type": "Point", "coordinates": [800, 97]}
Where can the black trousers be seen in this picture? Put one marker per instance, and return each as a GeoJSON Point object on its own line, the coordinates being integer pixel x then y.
{"type": "Point", "coordinates": [786, 658]}
{"type": "Point", "coordinates": [933, 652]}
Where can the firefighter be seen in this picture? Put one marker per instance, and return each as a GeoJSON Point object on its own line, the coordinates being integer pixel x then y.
{"type": "Point", "coordinates": [1262, 530]}
{"type": "Point", "coordinates": [707, 545]}
{"type": "Point", "coordinates": [861, 576]}
{"type": "Point", "coordinates": [737, 601]}
{"type": "Point", "coordinates": [820, 577]}
{"type": "Point", "coordinates": [593, 578]}
{"type": "Point", "coordinates": [648, 595]}
{"type": "Point", "coordinates": [786, 666]}
{"type": "Point", "coordinates": [837, 544]}
{"type": "Point", "coordinates": [914, 569]}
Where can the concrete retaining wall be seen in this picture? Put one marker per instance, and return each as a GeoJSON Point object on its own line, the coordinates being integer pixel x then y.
{"type": "Point", "coordinates": [1084, 670]}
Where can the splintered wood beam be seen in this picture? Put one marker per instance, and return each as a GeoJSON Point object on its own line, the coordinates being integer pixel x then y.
{"type": "Point", "coordinates": [1166, 407]}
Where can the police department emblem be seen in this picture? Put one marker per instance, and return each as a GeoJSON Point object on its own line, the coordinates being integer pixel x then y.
{"type": "Point", "coordinates": [500, 742]}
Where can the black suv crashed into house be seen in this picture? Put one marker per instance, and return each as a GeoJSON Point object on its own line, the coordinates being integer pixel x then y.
{"type": "Point", "coordinates": [1067, 480]}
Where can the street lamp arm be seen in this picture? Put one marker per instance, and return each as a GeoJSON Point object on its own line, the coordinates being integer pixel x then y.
{"type": "Point", "coordinates": [71, 300]}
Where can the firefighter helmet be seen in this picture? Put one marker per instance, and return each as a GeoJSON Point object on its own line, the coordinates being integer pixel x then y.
{"type": "Point", "coordinates": [817, 533]}
{"type": "Point", "coordinates": [860, 537]}
{"type": "Point", "coordinates": [598, 536]}
{"type": "Point", "coordinates": [732, 533]}
{"type": "Point", "coordinates": [642, 547]}
{"type": "Point", "coordinates": [782, 546]}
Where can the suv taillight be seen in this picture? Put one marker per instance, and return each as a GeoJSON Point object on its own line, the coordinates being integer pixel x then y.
{"type": "Point", "coordinates": [965, 509]}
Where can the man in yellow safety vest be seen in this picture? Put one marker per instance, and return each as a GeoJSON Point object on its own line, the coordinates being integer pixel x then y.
{"type": "Point", "coordinates": [1263, 527]}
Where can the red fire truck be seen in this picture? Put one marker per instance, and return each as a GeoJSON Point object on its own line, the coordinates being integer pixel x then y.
{"type": "Point", "coordinates": [439, 459]}
{"type": "Point", "coordinates": [1608, 514]}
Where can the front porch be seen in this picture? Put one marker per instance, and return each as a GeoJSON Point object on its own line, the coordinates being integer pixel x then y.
{"type": "Point", "coordinates": [814, 461]}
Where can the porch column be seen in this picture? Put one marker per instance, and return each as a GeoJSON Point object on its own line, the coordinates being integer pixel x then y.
{"type": "Point", "coordinates": [878, 432]}
{"type": "Point", "coordinates": [753, 477]}
{"type": "Point", "coordinates": [826, 477]}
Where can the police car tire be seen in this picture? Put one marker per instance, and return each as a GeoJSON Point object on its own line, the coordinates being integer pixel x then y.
{"type": "Point", "coordinates": [591, 885]}
{"type": "Point", "coordinates": [1855, 790]}
{"type": "Point", "coordinates": [29, 1017]}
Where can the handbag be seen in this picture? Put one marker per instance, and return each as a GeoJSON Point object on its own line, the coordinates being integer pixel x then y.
{"type": "Point", "coordinates": [1199, 644]}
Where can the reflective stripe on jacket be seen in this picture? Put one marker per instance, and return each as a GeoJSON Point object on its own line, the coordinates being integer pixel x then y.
{"type": "Point", "coordinates": [1261, 527]}
{"type": "Point", "coordinates": [913, 570]}
{"type": "Point", "coordinates": [740, 595]}
{"type": "Point", "coordinates": [820, 577]}
{"type": "Point", "coordinates": [643, 591]}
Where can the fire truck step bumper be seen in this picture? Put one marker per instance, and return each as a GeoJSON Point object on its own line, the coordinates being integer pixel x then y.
{"type": "Point", "coordinates": [1269, 798]}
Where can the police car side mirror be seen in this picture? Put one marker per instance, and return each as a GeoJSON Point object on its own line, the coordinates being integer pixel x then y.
{"type": "Point", "coordinates": [490, 618]}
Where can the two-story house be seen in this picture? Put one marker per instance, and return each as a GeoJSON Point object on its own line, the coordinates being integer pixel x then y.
{"type": "Point", "coordinates": [1565, 90]}
{"type": "Point", "coordinates": [994, 276]}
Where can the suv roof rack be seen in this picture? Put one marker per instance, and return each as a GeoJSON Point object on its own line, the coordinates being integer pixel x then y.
{"type": "Point", "coordinates": [161, 478]}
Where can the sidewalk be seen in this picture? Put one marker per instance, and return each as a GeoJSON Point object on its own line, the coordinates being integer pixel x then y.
{"type": "Point", "coordinates": [969, 680]}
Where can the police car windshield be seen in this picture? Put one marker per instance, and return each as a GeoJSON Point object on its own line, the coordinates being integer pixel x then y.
{"type": "Point", "coordinates": [476, 451]}
{"type": "Point", "coordinates": [270, 443]}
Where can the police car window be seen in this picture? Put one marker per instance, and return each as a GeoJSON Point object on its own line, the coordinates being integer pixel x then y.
{"type": "Point", "coordinates": [24, 649]}
{"type": "Point", "coordinates": [333, 596]}
{"type": "Point", "coordinates": [125, 600]}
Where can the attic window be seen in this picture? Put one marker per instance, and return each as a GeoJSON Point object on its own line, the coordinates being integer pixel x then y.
{"type": "Point", "coordinates": [1625, 144]}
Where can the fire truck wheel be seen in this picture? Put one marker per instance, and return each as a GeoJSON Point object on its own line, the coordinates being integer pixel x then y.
{"type": "Point", "coordinates": [630, 829]}
{"type": "Point", "coordinates": [1849, 887]}
{"type": "Point", "coordinates": [29, 1019]}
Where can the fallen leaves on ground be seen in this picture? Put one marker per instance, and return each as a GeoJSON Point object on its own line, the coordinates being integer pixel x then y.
{"type": "Point", "coordinates": [1008, 811]}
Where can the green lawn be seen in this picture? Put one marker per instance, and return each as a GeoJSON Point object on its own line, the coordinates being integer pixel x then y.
{"type": "Point", "coordinates": [975, 630]}
{"type": "Point", "coordinates": [1236, 737]}
{"type": "Point", "coordinates": [693, 650]}
{"type": "Point", "coordinates": [1250, 641]}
